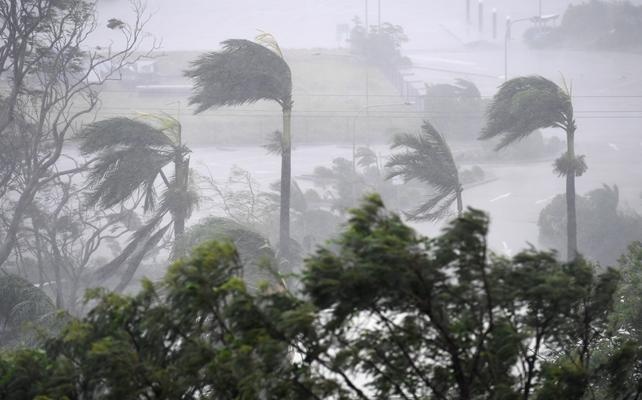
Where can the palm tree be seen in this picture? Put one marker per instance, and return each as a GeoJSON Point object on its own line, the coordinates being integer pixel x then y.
{"type": "Point", "coordinates": [428, 159]}
{"type": "Point", "coordinates": [523, 105]}
{"type": "Point", "coordinates": [129, 159]}
{"type": "Point", "coordinates": [245, 72]}
{"type": "Point", "coordinates": [22, 303]}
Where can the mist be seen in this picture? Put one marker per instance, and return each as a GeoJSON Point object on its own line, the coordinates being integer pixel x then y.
{"type": "Point", "coordinates": [287, 160]}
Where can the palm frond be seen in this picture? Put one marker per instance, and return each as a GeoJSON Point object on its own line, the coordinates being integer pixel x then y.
{"type": "Point", "coordinates": [117, 132]}
{"type": "Point", "coordinates": [120, 174]}
{"type": "Point", "coordinates": [274, 143]}
{"type": "Point", "coordinates": [180, 200]}
{"type": "Point", "coordinates": [564, 166]}
{"type": "Point", "coordinates": [434, 208]}
{"type": "Point", "coordinates": [268, 40]}
{"type": "Point", "coordinates": [20, 303]}
{"type": "Point", "coordinates": [523, 105]}
{"type": "Point", "coordinates": [427, 159]}
{"type": "Point", "coordinates": [243, 72]}
{"type": "Point", "coordinates": [167, 124]}
{"type": "Point", "coordinates": [130, 156]}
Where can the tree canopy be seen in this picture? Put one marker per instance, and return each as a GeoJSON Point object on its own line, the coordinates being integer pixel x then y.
{"type": "Point", "coordinates": [384, 313]}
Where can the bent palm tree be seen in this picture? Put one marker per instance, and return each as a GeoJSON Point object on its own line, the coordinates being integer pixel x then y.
{"type": "Point", "coordinates": [428, 159]}
{"type": "Point", "coordinates": [245, 72]}
{"type": "Point", "coordinates": [523, 105]}
{"type": "Point", "coordinates": [130, 157]}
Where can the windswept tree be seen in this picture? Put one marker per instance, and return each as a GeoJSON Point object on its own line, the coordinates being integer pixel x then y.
{"type": "Point", "coordinates": [130, 158]}
{"type": "Point", "coordinates": [245, 72]}
{"type": "Point", "coordinates": [428, 159]}
{"type": "Point", "coordinates": [52, 73]}
{"type": "Point", "coordinates": [523, 105]}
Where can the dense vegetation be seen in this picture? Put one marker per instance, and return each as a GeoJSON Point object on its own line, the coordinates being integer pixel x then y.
{"type": "Point", "coordinates": [351, 303]}
{"type": "Point", "coordinates": [383, 313]}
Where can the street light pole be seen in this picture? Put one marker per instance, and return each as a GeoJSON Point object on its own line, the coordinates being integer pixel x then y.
{"type": "Point", "coordinates": [507, 38]}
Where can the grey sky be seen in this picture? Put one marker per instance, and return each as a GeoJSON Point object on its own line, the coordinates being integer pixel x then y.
{"type": "Point", "coordinates": [202, 24]}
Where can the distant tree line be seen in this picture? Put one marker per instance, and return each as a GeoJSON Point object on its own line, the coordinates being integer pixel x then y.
{"type": "Point", "coordinates": [594, 24]}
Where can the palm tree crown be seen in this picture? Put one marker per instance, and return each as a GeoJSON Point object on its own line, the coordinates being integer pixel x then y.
{"type": "Point", "coordinates": [428, 159]}
{"type": "Point", "coordinates": [129, 159]}
{"type": "Point", "coordinates": [131, 156]}
{"type": "Point", "coordinates": [243, 72]}
{"type": "Point", "coordinates": [523, 105]}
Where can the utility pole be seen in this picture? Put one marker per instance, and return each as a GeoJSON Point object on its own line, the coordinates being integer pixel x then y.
{"type": "Point", "coordinates": [494, 24]}
{"type": "Point", "coordinates": [480, 18]}
{"type": "Point", "coordinates": [468, 12]}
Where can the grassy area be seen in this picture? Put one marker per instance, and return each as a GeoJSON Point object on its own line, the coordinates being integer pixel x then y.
{"type": "Point", "coordinates": [329, 91]}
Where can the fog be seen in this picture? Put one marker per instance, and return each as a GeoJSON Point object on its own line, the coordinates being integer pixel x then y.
{"type": "Point", "coordinates": [442, 47]}
{"type": "Point", "coordinates": [321, 199]}
{"type": "Point", "coordinates": [116, 160]}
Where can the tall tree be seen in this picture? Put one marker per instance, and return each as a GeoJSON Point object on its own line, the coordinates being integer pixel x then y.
{"type": "Point", "coordinates": [52, 76]}
{"type": "Point", "coordinates": [246, 72]}
{"type": "Point", "coordinates": [383, 313]}
{"type": "Point", "coordinates": [523, 105]}
{"type": "Point", "coordinates": [129, 159]}
{"type": "Point", "coordinates": [428, 159]}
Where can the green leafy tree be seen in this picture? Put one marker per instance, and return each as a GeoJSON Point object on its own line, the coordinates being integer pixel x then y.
{"type": "Point", "coordinates": [246, 72]}
{"type": "Point", "coordinates": [383, 313]}
{"type": "Point", "coordinates": [429, 160]}
{"type": "Point", "coordinates": [256, 255]}
{"type": "Point", "coordinates": [523, 105]}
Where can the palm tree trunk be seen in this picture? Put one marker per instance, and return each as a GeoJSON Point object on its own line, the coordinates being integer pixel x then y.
{"type": "Point", "coordinates": [460, 202]}
{"type": "Point", "coordinates": [181, 169]}
{"type": "Point", "coordinates": [286, 173]}
{"type": "Point", "coordinates": [571, 218]}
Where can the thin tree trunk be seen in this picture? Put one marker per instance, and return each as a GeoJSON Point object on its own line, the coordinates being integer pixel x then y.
{"type": "Point", "coordinates": [571, 218]}
{"type": "Point", "coordinates": [460, 202]}
{"type": "Point", "coordinates": [181, 169]}
{"type": "Point", "coordinates": [286, 172]}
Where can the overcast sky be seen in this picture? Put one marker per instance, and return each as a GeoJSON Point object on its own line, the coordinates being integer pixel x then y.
{"type": "Point", "coordinates": [202, 24]}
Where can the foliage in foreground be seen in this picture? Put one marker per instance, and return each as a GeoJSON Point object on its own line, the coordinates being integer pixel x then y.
{"type": "Point", "coordinates": [384, 313]}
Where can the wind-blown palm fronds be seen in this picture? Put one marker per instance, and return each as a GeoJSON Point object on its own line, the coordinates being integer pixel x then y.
{"type": "Point", "coordinates": [245, 72]}
{"type": "Point", "coordinates": [428, 159]}
{"type": "Point", "coordinates": [130, 157]}
{"type": "Point", "coordinates": [523, 105]}
{"type": "Point", "coordinates": [21, 303]}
